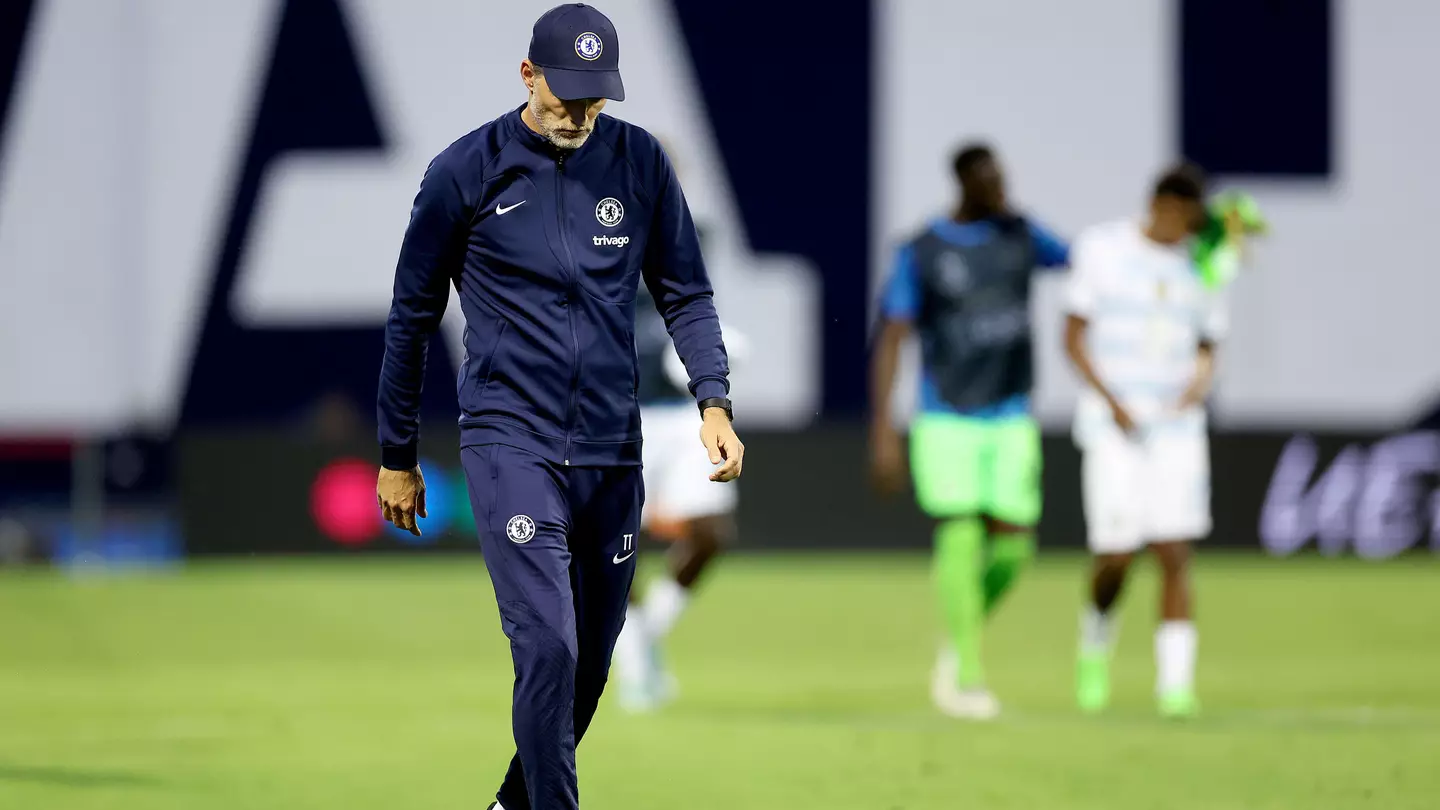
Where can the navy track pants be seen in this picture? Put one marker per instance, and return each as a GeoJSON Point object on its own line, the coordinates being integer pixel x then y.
{"type": "Point", "coordinates": [559, 543]}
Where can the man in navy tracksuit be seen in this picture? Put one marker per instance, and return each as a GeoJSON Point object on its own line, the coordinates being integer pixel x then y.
{"type": "Point", "coordinates": [545, 220]}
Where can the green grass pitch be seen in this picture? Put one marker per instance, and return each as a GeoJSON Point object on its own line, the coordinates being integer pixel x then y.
{"type": "Point", "coordinates": [385, 684]}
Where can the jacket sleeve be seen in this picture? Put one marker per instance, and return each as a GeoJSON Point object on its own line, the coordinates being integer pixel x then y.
{"type": "Point", "coordinates": [430, 257]}
{"type": "Point", "coordinates": [675, 274]}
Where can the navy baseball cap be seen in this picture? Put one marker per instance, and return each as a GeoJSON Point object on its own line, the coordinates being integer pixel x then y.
{"type": "Point", "coordinates": [578, 48]}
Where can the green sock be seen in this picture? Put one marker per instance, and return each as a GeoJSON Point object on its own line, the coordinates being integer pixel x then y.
{"type": "Point", "coordinates": [958, 552]}
{"type": "Point", "coordinates": [1009, 554]}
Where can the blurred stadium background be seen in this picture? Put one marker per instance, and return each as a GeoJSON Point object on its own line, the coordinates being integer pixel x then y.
{"type": "Point", "coordinates": [200, 208]}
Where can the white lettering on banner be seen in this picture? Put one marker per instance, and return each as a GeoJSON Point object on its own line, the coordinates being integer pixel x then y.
{"type": "Point", "coordinates": [1388, 516]}
{"type": "Point", "coordinates": [1281, 527]}
{"type": "Point", "coordinates": [1370, 500]}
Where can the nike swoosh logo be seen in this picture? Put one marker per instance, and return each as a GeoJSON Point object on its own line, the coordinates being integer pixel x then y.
{"type": "Point", "coordinates": [619, 559]}
{"type": "Point", "coordinates": [501, 210]}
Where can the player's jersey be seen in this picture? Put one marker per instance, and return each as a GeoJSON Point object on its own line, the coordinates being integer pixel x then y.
{"type": "Point", "coordinates": [966, 287]}
{"type": "Point", "coordinates": [1148, 310]}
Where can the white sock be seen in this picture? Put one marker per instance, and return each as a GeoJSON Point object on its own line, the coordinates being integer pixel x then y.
{"type": "Point", "coordinates": [1097, 631]}
{"type": "Point", "coordinates": [630, 648]}
{"type": "Point", "coordinates": [664, 602]}
{"type": "Point", "coordinates": [1175, 644]}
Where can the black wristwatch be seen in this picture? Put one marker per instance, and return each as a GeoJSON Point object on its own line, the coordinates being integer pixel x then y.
{"type": "Point", "coordinates": [717, 402]}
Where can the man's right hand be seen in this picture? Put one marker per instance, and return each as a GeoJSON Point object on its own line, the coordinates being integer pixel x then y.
{"type": "Point", "coordinates": [1122, 417]}
{"type": "Point", "coordinates": [887, 459]}
{"type": "Point", "coordinates": [402, 496]}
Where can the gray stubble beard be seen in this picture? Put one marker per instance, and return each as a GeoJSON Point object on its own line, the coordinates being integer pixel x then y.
{"type": "Point", "coordinates": [568, 144]}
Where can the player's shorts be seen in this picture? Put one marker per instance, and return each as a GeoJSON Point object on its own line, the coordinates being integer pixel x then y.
{"type": "Point", "coordinates": [1139, 491]}
{"type": "Point", "coordinates": [677, 468]}
{"type": "Point", "coordinates": [966, 466]}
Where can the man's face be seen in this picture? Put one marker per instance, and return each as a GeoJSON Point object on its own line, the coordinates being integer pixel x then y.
{"type": "Point", "coordinates": [565, 124]}
{"type": "Point", "coordinates": [985, 184]}
{"type": "Point", "coordinates": [1176, 218]}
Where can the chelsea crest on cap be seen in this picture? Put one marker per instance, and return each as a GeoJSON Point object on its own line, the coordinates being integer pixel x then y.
{"type": "Point", "coordinates": [579, 51]}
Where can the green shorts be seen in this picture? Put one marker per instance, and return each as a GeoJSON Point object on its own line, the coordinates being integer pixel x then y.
{"type": "Point", "coordinates": [967, 466]}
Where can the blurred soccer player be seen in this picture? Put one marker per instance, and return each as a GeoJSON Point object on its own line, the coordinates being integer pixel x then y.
{"type": "Point", "coordinates": [963, 285]}
{"type": "Point", "coordinates": [546, 220]}
{"type": "Point", "coordinates": [694, 515]}
{"type": "Point", "coordinates": [1141, 332]}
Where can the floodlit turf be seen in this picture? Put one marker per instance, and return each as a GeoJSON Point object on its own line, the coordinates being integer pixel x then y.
{"type": "Point", "coordinates": [385, 684]}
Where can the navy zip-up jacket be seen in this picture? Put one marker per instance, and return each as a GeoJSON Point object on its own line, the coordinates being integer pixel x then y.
{"type": "Point", "coordinates": [546, 248]}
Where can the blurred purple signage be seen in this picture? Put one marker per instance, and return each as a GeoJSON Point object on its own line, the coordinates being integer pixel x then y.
{"type": "Point", "coordinates": [1377, 498]}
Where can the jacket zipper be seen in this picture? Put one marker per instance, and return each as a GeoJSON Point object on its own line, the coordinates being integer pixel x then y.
{"type": "Point", "coordinates": [574, 299]}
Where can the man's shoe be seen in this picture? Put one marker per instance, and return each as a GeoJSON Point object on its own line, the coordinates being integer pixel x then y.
{"type": "Point", "coordinates": [1179, 704]}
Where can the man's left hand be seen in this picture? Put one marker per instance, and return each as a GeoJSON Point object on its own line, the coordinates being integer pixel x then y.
{"type": "Point", "coordinates": [722, 444]}
{"type": "Point", "coordinates": [1195, 395]}
{"type": "Point", "coordinates": [1199, 387]}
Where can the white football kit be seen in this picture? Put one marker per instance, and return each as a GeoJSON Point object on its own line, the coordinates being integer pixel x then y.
{"type": "Point", "coordinates": [1147, 312]}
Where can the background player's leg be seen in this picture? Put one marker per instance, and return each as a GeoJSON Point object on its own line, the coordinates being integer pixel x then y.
{"type": "Point", "coordinates": [701, 541]}
{"type": "Point", "coordinates": [634, 658]}
{"type": "Point", "coordinates": [1112, 494]}
{"type": "Point", "coordinates": [603, 545]}
{"type": "Point", "coordinates": [697, 543]}
{"type": "Point", "coordinates": [1009, 552]}
{"type": "Point", "coordinates": [1175, 639]}
{"type": "Point", "coordinates": [1179, 470]}
{"type": "Point", "coordinates": [1097, 631]}
{"type": "Point", "coordinates": [959, 549]}
{"type": "Point", "coordinates": [522, 514]}
{"type": "Point", "coordinates": [945, 460]}
{"type": "Point", "coordinates": [695, 516]}
{"type": "Point", "coordinates": [1174, 557]}
{"type": "Point", "coordinates": [694, 544]}
{"type": "Point", "coordinates": [1107, 580]}
{"type": "Point", "coordinates": [1014, 504]}
{"type": "Point", "coordinates": [635, 649]}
